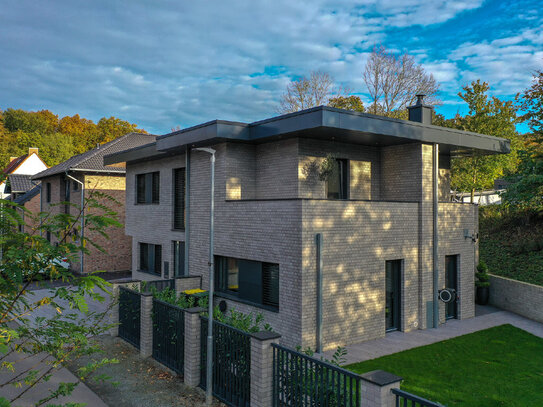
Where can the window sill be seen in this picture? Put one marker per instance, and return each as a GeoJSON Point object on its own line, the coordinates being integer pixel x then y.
{"type": "Point", "coordinates": [242, 301]}
{"type": "Point", "coordinates": [147, 203]}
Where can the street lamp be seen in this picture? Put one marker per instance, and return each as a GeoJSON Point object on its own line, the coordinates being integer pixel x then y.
{"type": "Point", "coordinates": [209, 367]}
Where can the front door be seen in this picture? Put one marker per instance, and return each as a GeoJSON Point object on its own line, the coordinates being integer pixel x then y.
{"type": "Point", "coordinates": [393, 291]}
{"type": "Point", "coordinates": [451, 281]}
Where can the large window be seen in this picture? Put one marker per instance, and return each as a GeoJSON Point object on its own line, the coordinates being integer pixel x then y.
{"type": "Point", "coordinates": [179, 258]}
{"type": "Point", "coordinates": [150, 258]}
{"type": "Point", "coordinates": [48, 192]}
{"type": "Point", "coordinates": [248, 280]}
{"type": "Point", "coordinates": [179, 198]}
{"type": "Point", "coordinates": [148, 188]}
{"type": "Point", "coordinates": [337, 185]}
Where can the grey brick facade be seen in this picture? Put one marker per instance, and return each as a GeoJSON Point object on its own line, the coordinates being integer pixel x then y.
{"type": "Point", "coordinates": [269, 206]}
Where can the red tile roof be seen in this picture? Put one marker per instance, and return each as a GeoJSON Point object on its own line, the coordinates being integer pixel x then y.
{"type": "Point", "coordinates": [12, 166]}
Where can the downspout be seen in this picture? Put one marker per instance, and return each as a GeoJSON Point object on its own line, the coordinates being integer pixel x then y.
{"type": "Point", "coordinates": [435, 190]}
{"type": "Point", "coordinates": [318, 243]}
{"type": "Point", "coordinates": [187, 210]}
{"type": "Point", "coordinates": [82, 234]}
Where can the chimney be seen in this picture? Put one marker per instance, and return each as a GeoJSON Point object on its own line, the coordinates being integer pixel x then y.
{"type": "Point", "coordinates": [32, 150]}
{"type": "Point", "coordinates": [420, 112]}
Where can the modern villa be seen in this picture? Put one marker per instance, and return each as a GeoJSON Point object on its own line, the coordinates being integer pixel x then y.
{"type": "Point", "coordinates": [324, 219]}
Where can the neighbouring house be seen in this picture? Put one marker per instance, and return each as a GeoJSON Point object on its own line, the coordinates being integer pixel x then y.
{"type": "Point", "coordinates": [63, 183]}
{"type": "Point", "coordinates": [25, 166]}
{"type": "Point", "coordinates": [323, 219]}
{"type": "Point", "coordinates": [30, 200]}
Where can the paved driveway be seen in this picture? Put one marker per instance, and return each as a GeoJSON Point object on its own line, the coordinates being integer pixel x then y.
{"type": "Point", "coordinates": [81, 394]}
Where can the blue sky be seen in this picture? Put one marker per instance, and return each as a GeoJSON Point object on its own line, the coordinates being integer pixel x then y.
{"type": "Point", "coordinates": [163, 64]}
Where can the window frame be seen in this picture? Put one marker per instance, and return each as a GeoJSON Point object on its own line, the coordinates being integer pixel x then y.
{"type": "Point", "coordinates": [151, 188]}
{"type": "Point", "coordinates": [344, 173]}
{"type": "Point", "coordinates": [150, 251]}
{"type": "Point", "coordinates": [179, 205]}
{"type": "Point", "coordinates": [47, 192]}
{"type": "Point", "coordinates": [250, 266]}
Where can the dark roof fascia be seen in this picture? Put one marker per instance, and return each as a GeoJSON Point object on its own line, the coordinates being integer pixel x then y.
{"type": "Point", "coordinates": [216, 130]}
{"type": "Point", "coordinates": [121, 171]}
{"type": "Point", "coordinates": [27, 196]}
{"type": "Point", "coordinates": [141, 153]}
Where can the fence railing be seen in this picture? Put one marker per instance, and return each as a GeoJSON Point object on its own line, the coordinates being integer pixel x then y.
{"type": "Point", "coordinates": [129, 316]}
{"type": "Point", "coordinates": [231, 363]}
{"type": "Point", "coordinates": [405, 399]}
{"type": "Point", "coordinates": [169, 335]}
{"type": "Point", "coordinates": [301, 380]}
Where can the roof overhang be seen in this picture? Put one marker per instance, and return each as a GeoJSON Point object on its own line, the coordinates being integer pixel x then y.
{"type": "Point", "coordinates": [321, 122]}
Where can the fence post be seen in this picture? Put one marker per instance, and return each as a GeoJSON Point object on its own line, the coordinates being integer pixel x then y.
{"type": "Point", "coordinates": [191, 369]}
{"type": "Point", "coordinates": [146, 325]}
{"type": "Point", "coordinates": [376, 389]}
{"type": "Point", "coordinates": [262, 368]}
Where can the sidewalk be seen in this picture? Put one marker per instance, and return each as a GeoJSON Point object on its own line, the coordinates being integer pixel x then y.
{"type": "Point", "coordinates": [393, 342]}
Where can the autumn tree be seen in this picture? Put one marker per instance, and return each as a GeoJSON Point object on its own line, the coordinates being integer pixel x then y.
{"type": "Point", "coordinates": [393, 81]}
{"type": "Point", "coordinates": [304, 92]}
{"type": "Point", "coordinates": [351, 102]}
{"type": "Point", "coordinates": [487, 115]}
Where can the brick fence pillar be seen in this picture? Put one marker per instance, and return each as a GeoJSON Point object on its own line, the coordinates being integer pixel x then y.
{"type": "Point", "coordinates": [184, 283]}
{"type": "Point", "coordinates": [146, 325]}
{"type": "Point", "coordinates": [377, 388]}
{"type": "Point", "coordinates": [191, 370]}
{"type": "Point", "coordinates": [262, 368]}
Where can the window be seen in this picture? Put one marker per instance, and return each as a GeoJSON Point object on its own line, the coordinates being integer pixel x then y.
{"type": "Point", "coordinates": [48, 236]}
{"type": "Point", "coordinates": [150, 258]}
{"type": "Point", "coordinates": [148, 188]}
{"type": "Point", "coordinates": [178, 258]}
{"type": "Point", "coordinates": [337, 185]}
{"type": "Point", "coordinates": [75, 186]}
{"type": "Point", "coordinates": [179, 198]}
{"type": "Point", "coordinates": [48, 192]}
{"type": "Point", "coordinates": [248, 280]}
{"type": "Point", "coordinates": [65, 185]}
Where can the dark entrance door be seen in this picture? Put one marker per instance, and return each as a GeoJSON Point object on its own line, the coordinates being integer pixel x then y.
{"type": "Point", "coordinates": [393, 292]}
{"type": "Point", "coordinates": [451, 281]}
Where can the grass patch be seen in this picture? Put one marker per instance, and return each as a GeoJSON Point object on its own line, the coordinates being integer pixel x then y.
{"type": "Point", "coordinates": [500, 366]}
{"type": "Point", "coordinates": [511, 243]}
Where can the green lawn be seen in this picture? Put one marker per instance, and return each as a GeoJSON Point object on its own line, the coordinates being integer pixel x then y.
{"type": "Point", "coordinates": [501, 366]}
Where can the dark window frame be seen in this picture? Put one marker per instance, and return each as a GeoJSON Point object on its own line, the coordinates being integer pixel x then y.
{"type": "Point", "coordinates": [258, 282]}
{"type": "Point", "coordinates": [178, 254]}
{"type": "Point", "coordinates": [150, 258]}
{"type": "Point", "coordinates": [147, 188]}
{"type": "Point", "coordinates": [48, 192]}
{"type": "Point", "coordinates": [344, 173]}
{"type": "Point", "coordinates": [179, 191]}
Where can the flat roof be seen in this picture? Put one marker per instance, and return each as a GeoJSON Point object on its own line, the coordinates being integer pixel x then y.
{"type": "Point", "coordinates": [322, 122]}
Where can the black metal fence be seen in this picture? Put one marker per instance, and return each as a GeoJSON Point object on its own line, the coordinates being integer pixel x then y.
{"type": "Point", "coordinates": [405, 399]}
{"type": "Point", "coordinates": [169, 335]}
{"type": "Point", "coordinates": [159, 285]}
{"type": "Point", "coordinates": [301, 380]}
{"type": "Point", "coordinates": [231, 363]}
{"type": "Point", "coordinates": [129, 316]}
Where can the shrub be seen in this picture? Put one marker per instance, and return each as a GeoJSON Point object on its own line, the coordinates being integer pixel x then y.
{"type": "Point", "coordinates": [483, 278]}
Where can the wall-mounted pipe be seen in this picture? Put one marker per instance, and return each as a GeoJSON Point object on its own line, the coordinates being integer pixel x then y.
{"type": "Point", "coordinates": [187, 210]}
{"type": "Point", "coordinates": [318, 244]}
{"type": "Point", "coordinates": [435, 192]}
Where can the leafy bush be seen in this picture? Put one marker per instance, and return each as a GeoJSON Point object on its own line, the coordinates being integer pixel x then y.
{"type": "Point", "coordinates": [244, 322]}
{"type": "Point", "coordinates": [483, 278]}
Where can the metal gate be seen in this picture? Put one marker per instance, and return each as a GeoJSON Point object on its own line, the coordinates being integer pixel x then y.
{"type": "Point", "coordinates": [129, 316]}
{"type": "Point", "coordinates": [231, 363]}
{"type": "Point", "coordinates": [169, 335]}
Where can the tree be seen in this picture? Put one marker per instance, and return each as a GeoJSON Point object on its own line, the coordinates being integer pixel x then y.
{"type": "Point", "coordinates": [27, 256]}
{"type": "Point", "coordinates": [490, 116]}
{"type": "Point", "coordinates": [394, 81]}
{"type": "Point", "coordinates": [305, 92]}
{"type": "Point", "coordinates": [527, 190]}
{"type": "Point", "coordinates": [348, 103]}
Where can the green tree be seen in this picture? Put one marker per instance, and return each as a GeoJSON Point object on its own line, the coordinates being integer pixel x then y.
{"type": "Point", "coordinates": [27, 256]}
{"type": "Point", "coordinates": [527, 192]}
{"type": "Point", "coordinates": [487, 115]}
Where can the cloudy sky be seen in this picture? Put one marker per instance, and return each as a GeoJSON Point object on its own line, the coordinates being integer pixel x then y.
{"type": "Point", "coordinates": [163, 64]}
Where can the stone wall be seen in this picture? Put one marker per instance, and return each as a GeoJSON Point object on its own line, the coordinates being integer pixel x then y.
{"type": "Point", "coordinates": [516, 296]}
